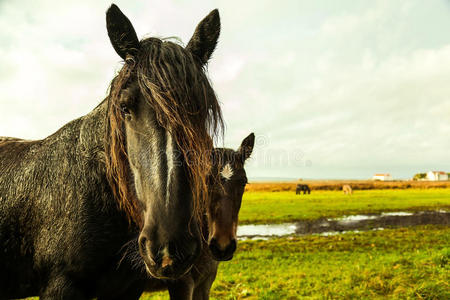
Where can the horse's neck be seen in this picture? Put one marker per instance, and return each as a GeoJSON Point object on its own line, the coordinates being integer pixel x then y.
{"type": "Point", "coordinates": [4, 139]}
{"type": "Point", "coordinates": [92, 132]}
{"type": "Point", "coordinates": [80, 144]}
{"type": "Point", "coordinates": [42, 169]}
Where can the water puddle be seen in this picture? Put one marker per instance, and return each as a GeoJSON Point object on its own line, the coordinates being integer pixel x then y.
{"type": "Point", "coordinates": [400, 213]}
{"type": "Point", "coordinates": [329, 233]}
{"type": "Point", "coordinates": [266, 231]}
{"type": "Point", "coordinates": [355, 223]}
{"type": "Point", "coordinates": [355, 218]}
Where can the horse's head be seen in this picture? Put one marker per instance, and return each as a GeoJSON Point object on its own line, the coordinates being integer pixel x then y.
{"type": "Point", "coordinates": [226, 197]}
{"type": "Point", "coordinates": [161, 111]}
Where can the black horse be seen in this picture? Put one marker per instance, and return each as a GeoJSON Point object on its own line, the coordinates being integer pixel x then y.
{"type": "Point", "coordinates": [73, 205]}
{"type": "Point", "coordinates": [228, 185]}
{"type": "Point", "coordinates": [302, 187]}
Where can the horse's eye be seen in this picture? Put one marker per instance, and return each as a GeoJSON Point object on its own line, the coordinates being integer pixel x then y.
{"type": "Point", "coordinates": [124, 109]}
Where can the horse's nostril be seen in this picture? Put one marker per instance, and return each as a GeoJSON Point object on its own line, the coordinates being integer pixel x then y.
{"type": "Point", "coordinates": [231, 247]}
{"type": "Point", "coordinates": [143, 244]}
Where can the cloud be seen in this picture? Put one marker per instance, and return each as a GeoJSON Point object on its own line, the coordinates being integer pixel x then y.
{"type": "Point", "coordinates": [330, 89]}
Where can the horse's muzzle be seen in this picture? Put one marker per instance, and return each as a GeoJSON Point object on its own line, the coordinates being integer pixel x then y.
{"type": "Point", "coordinates": [161, 263]}
{"type": "Point", "coordinates": [222, 253]}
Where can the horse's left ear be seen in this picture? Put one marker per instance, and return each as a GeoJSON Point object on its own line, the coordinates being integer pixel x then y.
{"type": "Point", "coordinates": [121, 33]}
{"type": "Point", "coordinates": [246, 148]}
{"type": "Point", "coordinates": [204, 40]}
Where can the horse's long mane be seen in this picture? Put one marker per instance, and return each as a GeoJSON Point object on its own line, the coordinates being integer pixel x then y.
{"type": "Point", "coordinates": [173, 80]}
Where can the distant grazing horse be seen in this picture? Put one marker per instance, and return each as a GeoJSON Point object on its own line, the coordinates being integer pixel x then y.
{"type": "Point", "coordinates": [77, 206]}
{"type": "Point", "coordinates": [302, 187]}
{"type": "Point", "coordinates": [228, 185]}
{"type": "Point", "coordinates": [347, 189]}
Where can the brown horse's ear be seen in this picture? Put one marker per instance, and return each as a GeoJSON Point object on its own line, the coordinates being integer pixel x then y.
{"type": "Point", "coordinates": [246, 148]}
{"type": "Point", "coordinates": [204, 40]}
{"type": "Point", "coordinates": [121, 33]}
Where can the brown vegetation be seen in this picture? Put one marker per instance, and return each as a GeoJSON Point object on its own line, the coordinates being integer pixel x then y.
{"type": "Point", "coordinates": [335, 185]}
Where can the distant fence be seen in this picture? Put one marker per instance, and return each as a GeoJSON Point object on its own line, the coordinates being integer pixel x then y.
{"type": "Point", "coordinates": [336, 185]}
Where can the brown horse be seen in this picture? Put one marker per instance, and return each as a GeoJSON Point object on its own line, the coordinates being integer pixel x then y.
{"type": "Point", "coordinates": [347, 189]}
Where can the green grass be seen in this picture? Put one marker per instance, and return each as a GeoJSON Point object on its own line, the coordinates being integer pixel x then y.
{"type": "Point", "coordinates": [278, 207]}
{"type": "Point", "coordinates": [408, 263]}
{"type": "Point", "coordinates": [405, 263]}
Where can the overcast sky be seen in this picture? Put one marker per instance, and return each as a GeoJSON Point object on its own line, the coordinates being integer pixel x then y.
{"type": "Point", "coordinates": [332, 89]}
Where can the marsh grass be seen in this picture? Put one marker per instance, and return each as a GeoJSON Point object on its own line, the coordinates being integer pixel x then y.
{"type": "Point", "coordinates": [396, 264]}
{"type": "Point", "coordinates": [405, 263]}
{"type": "Point", "coordinates": [278, 207]}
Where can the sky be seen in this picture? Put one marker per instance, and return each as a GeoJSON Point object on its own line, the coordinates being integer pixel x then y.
{"type": "Point", "coordinates": [332, 89]}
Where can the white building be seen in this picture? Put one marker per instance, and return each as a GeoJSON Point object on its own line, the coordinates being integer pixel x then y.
{"type": "Point", "coordinates": [437, 175]}
{"type": "Point", "coordinates": [382, 177]}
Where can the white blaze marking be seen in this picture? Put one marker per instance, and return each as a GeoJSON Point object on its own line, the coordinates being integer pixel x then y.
{"type": "Point", "coordinates": [227, 172]}
{"type": "Point", "coordinates": [170, 165]}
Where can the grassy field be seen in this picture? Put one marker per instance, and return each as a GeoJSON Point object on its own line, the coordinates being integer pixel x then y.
{"type": "Point", "coordinates": [277, 207]}
{"type": "Point", "coordinates": [404, 263]}
{"type": "Point", "coordinates": [399, 264]}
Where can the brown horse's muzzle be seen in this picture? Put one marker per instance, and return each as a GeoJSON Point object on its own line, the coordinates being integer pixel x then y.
{"type": "Point", "coordinates": [222, 243]}
{"type": "Point", "coordinates": [222, 252]}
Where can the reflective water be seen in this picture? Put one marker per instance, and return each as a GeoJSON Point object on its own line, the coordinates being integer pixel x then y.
{"type": "Point", "coordinates": [345, 224]}
{"type": "Point", "coordinates": [266, 230]}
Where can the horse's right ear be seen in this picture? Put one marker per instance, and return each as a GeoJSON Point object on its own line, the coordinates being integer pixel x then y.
{"type": "Point", "coordinates": [121, 33]}
{"type": "Point", "coordinates": [246, 148]}
{"type": "Point", "coordinates": [204, 40]}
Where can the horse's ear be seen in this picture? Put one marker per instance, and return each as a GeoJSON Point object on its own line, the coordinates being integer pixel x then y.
{"type": "Point", "coordinates": [204, 40]}
{"type": "Point", "coordinates": [246, 148]}
{"type": "Point", "coordinates": [121, 32]}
